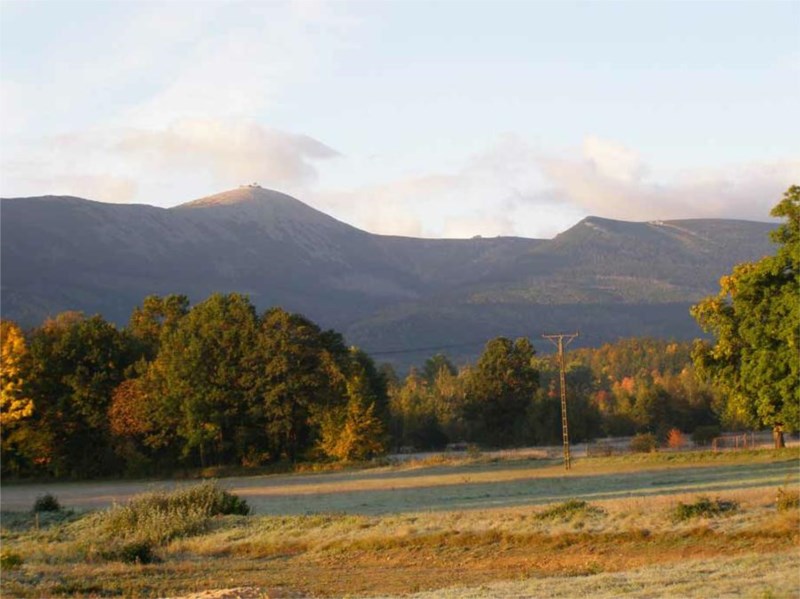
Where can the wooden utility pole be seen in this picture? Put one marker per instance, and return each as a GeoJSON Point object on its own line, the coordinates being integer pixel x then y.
{"type": "Point", "coordinates": [558, 340]}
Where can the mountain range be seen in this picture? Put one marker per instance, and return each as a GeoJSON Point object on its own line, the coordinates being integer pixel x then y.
{"type": "Point", "coordinates": [400, 298]}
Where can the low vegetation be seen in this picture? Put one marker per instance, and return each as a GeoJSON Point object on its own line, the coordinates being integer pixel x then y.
{"type": "Point", "coordinates": [787, 499]}
{"type": "Point", "coordinates": [198, 537]}
{"type": "Point", "coordinates": [46, 503]}
{"type": "Point", "coordinates": [703, 507]}
{"type": "Point", "coordinates": [570, 510]}
{"type": "Point", "coordinates": [157, 518]}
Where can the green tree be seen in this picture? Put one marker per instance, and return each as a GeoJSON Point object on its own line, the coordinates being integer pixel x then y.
{"type": "Point", "coordinates": [500, 390]}
{"type": "Point", "coordinates": [156, 315]}
{"type": "Point", "coordinates": [75, 365]}
{"type": "Point", "coordinates": [198, 382]}
{"type": "Point", "coordinates": [755, 320]}
{"type": "Point", "coordinates": [436, 364]}
{"type": "Point", "coordinates": [299, 374]}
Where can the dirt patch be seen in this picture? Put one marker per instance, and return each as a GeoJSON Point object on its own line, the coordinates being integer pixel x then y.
{"type": "Point", "coordinates": [242, 593]}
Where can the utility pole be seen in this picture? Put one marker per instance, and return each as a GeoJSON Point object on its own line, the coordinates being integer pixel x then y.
{"type": "Point", "coordinates": [558, 340]}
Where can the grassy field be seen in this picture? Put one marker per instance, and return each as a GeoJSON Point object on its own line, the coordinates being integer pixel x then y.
{"type": "Point", "coordinates": [440, 528]}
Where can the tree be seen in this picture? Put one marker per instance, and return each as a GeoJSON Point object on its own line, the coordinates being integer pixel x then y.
{"type": "Point", "coordinates": [199, 382]}
{"type": "Point", "coordinates": [14, 404]}
{"type": "Point", "coordinates": [299, 373]}
{"type": "Point", "coordinates": [436, 364]}
{"type": "Point", "coordinates": [156, 315]}
{"type": "Point", "coordinates": [500, 390]}
{"type": "Point", "coordinates": [755, 319]}
{"type": "Point", "coordinates": [131, 421]}
{"type": "Point", "coordinates": [354, 432]}
{"type": "Point", "coordinates": [75, 365]}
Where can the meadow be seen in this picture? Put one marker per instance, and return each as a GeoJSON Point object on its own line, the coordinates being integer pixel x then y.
{"type": "Point", "coordinates": [686, 524]}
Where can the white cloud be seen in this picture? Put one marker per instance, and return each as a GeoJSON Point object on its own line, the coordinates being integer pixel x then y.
{"type": "Point", "coordinates": [189, 157]}
{"type": "Point", "coordinates": [244, 63]}
{"type": "Point", "coordinates": [613, 160]}
{"type": "Point", "coordinates": [479, 199]}
{"type": "Point", "coordinates": [514, 188]}
{"type": "Point", "coordinates": [235, 152]}
{"type": "Point", "coordinates": [609, 180]}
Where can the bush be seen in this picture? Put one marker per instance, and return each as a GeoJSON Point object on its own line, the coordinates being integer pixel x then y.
{"type": "Point", "coordinates": [46, 503]}
{"type": "Point", "coordinates": [134, 552]}
{"type": "Point", "coordinates": [644, 443]}
{"type": "Point", "coordinates": [10, 560]}
{"type": "Point", "coordinates": [703, 507]}
{"type": "Point", "coordinates": [675, 439]}
{"type": "Point", "coordinates": [568, 510]}
{"type": "Point", "coordinates": [787, 499]}
{"type": "Point", "coordinates": [156, 518]}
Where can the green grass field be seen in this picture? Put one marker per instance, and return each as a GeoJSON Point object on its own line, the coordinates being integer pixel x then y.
{"type": "Point", "coordinates": [439, 528]}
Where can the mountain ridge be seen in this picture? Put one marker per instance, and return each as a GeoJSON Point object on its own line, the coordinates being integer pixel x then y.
{"type": "Point", "coordinates": [63, 252]}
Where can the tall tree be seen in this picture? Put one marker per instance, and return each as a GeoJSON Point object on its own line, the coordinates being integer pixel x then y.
{"type": "Point", "coordinates": [14, 404]}
{"type": "Point", "coordinates": [500, 390]}
{"type": "Point", "coordinates": [75, 364]}
{"type": "Point", "coordinates": [755, 319]}
{"type": "Point", "coordinates": [299, 372]}
{"type": "Point", "coordinates": [198, 382]}
{"type": "Point", "coordinates": [434, 365]}
{"type": "Point", "coordinates": [354, 431]}
{"type": "Point", "coordinates": [155, 316]}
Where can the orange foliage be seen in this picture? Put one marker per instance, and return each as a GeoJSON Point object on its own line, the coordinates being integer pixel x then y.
{"type": "Point", "coordinates": [129, 414]}
{"type": "Point", "coordinates": [675, 439]}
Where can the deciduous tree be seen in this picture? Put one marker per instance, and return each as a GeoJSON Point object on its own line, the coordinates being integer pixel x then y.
{"type": "Point", "coordinates": [14, 403]}
{"type": "Point", "coordinates": [755, 320]}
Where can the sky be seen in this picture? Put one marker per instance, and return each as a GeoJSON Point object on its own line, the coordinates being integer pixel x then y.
{"type": "Point", "coordinates": [431, 119]}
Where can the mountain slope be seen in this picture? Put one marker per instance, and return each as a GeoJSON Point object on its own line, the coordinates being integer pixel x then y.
{"type": "Point", "coordinates": [603, 276]}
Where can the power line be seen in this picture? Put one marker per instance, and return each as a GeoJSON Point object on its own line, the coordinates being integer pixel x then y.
{"type": "Point", "coordinates": [414, 350]}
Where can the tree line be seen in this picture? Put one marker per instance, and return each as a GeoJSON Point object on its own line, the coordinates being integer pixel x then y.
{"type": "Point", "coordinates": [183, 386]}
{"type": "Point", "coordinates": [511, 397]}
{"type": "Point", "coordinates": [218, 384]}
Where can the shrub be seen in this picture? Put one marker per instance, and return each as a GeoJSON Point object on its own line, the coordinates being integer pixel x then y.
{"type": "Point", "coordinates": [133, 552]}
{"type": "Point", "coordinates": [568, 510]}
{"type": "Point", "coordinates": [644, 443]}
{"type": "Point", "coordinates": [156, 518]}
{"type": "Point", "coordinates": [10, 560]}
{"type": "Point", "coordinates": [675, 439]}
{"type": "Point", "coordinates": [46, 503]}
{"type": "Point", "coordinates": [787, 499]}
{"type": "Point", "coordinates": [703, 507]}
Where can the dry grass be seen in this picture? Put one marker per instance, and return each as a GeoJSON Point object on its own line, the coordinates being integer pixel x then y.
{"type": "Point", "coordinates": [766, 576]}
{"type": "Point", "coordinates": [593, 534]}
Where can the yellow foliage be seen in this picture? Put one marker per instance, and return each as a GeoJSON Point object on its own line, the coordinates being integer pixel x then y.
{"type": "Point", "coordinates": [13, 406]}
{"type": "Point", "coordinates": [355, 433]}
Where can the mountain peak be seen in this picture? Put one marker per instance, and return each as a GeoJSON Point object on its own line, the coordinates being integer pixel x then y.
{"type": "Point", "coordinates": [244, 194]}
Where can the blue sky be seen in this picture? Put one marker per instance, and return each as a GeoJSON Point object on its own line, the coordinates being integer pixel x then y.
{"type": "Point", "coordinates": [445, 118]}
